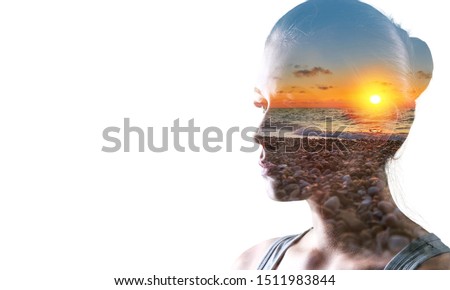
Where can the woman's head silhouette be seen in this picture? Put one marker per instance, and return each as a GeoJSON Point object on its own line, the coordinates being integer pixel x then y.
{"type": "Point", "coordinates": [338, 89]}
{"type": "Point", "coordinates": [339, 69]}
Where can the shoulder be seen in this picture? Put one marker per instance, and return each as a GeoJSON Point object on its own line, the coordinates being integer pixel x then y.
{"type": "Point", "coordinates": [250, 259]}
{"type": "Point", "coordinates": [441, 262]}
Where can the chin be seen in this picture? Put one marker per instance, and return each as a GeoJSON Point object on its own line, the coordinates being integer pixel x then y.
{"type": "Point", "coordinates": [291, 192]}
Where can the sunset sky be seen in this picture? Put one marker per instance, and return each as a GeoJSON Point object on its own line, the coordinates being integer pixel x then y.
{"type": "Point", "coordinates": [330, 62]}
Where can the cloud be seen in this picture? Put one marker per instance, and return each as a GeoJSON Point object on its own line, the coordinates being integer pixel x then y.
{"type": "Point", "coordinates": [386, 84]}
{"type": "Point", "coordinates": [423, 75]}
{"type": "Point", "coordinates": [324, 88]}
{"type": "Point", "coordinates": [312, 72]}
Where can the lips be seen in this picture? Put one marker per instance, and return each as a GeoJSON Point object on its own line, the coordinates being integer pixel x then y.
{"type": "Point", "coordinates": [266, 164]}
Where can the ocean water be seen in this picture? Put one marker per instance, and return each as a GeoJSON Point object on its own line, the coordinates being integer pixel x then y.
{"type": "Point", "coordinates": [338, 123]}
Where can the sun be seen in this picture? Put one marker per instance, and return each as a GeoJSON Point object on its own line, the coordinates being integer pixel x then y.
{"type": "Point", "coordinates": [375, 99]}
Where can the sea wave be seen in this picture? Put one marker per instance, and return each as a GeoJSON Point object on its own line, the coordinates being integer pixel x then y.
{"type": "Point", "coordinates": [314, 133]}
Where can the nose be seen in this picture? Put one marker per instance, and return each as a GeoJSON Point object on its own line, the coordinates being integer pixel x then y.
{"type": "Point", "coordinates": [263, 136]}
{"type": "Point", "coordinates": [268, 144]}
{"type": "Point", "coordinates": [258, 139]}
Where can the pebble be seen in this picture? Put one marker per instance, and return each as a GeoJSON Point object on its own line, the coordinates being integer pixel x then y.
{"type": "Point", "coordinates": [280, 193]}
{"type": "Point", "coordinates": [295, 193]}
{"type": "Point", "coordinates": [307, 191]}
{"type": "Point", "coordinates": [365, 234]}
{"type": "Point", "coordinates": [291, 187]}
{"type": "Point", "coordinates": [299, 173]}
{"type": "Point", "coordinates": [351, 220]}
{"type": "Point", "coordinates": [374, 180]}
{"type": "Point", "coordinates": [382, 240]}
{"type": "Point", "coordinates": [362, 192]}
{"type": "Point", "coordinates": [378, 214]}
{"type": "Point", "coordinates": [346, 178]}
{"type": "Point", "coordinates": [366, 201]}
{"type": "Point", "coordinates": [390, 220]}
{"type": "Point", "coordinates": [303, 183]}
{"type": "Point", "coordinates": [341, 227]}
{"type": "Point", "coordinates": [373, 190]}
{"type": "Point", "coordinates": [332, 203]}
{"type": "Point", "coordinates": [380, 184]}
{"type": "Point", "coordinates": [386, 206]}
{"type": "Point", "coordinates": [397, 243]}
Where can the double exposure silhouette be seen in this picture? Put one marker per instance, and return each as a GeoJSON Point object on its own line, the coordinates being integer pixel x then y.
{"type": "Point", "coordinates": [338, 90]}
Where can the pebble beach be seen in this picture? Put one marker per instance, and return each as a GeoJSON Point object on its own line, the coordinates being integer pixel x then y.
{"type": "Point", "coordinates": [347, 180]}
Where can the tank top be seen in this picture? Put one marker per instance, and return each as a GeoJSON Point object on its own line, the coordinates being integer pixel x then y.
{"type": "Point", "coordinates": [409, 258]}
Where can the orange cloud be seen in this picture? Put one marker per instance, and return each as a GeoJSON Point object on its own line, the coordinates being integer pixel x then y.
{"type": "Point", "coordinates": [324, 88]}
{"type": "Point", "coordinates": [423, 75]}
{"type": "Point", "coordinates": [312, 72]}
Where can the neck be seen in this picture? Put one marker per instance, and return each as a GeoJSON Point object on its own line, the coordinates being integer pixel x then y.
{"type": "Point", "coordinates": [360, 217]}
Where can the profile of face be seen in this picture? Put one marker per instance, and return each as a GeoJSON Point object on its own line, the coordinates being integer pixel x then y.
{"type": "Point", "coordinates": [338, 88]}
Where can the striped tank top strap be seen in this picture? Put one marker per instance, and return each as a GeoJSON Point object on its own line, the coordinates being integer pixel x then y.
{"type": "Point", "coordinates": [277, 250]}
{"type": "Point", "coordinates": [417, 252]}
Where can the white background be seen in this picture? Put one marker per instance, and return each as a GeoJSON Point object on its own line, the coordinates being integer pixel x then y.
{"type": "Point", "coordinates": [71, 68]}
